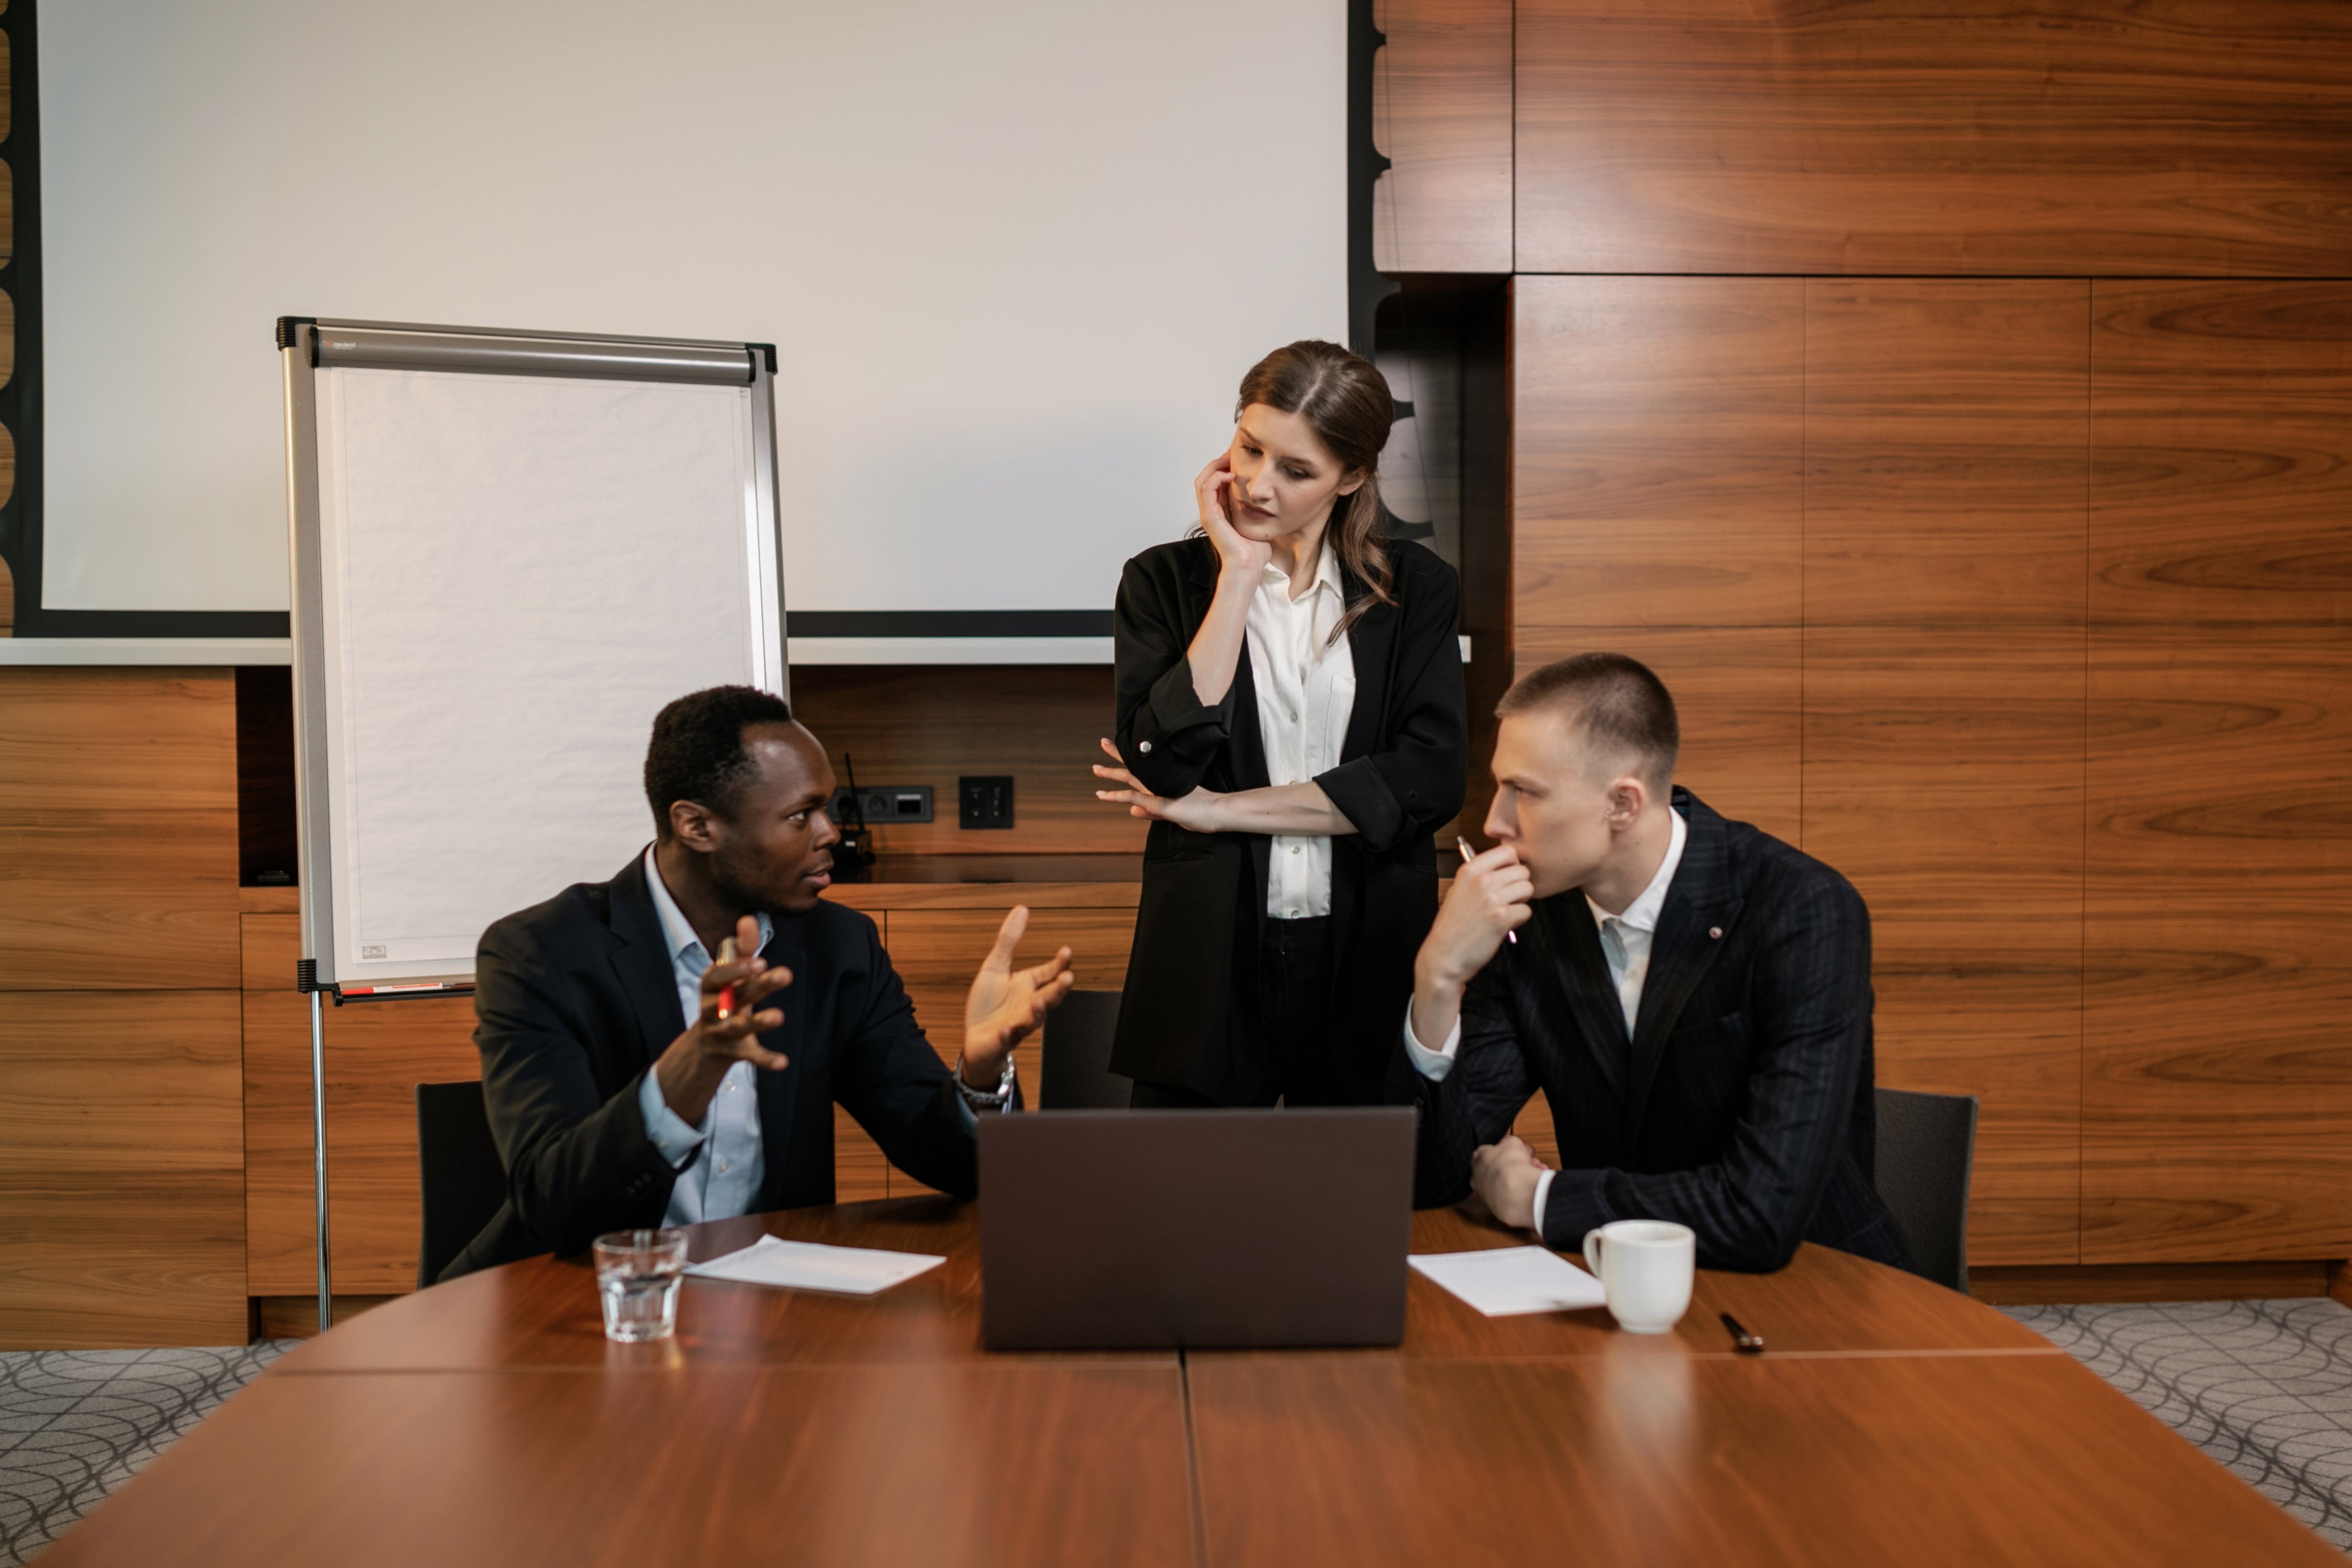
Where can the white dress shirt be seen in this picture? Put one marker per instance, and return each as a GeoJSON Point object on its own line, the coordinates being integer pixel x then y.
{"type": "Point", "coordinates": [1305, 692]}
{"type": "Point", "coordinates": [724, 1181]}
{"type": "Point", "coordinates": [1625, 942]}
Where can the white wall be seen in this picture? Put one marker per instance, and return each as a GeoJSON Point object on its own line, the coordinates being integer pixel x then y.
{"type": "Point", "coordinates": [1016, 258]}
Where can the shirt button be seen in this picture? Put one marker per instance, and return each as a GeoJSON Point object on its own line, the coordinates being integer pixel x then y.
{"type": "Point", "coordinates": [1294, 849]}
{"type": "Point", "coordinates": [1144, 746]}
{"type": "Point", "coordinates": [722, 1167]}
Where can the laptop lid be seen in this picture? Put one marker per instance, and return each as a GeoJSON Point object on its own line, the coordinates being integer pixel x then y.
{"type": "Point", "coordinates": [1103, 1230]}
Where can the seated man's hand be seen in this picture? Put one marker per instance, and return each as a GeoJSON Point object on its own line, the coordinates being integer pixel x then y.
{"type": "Point", "coordinates": [690, 1071]}
{"type": "Point", "coordinates": [1006, 1003]}
{"type": "Point", "coordinates": [1503, 1176]}
{"type": "Point", "coordinates": [1491, 896]}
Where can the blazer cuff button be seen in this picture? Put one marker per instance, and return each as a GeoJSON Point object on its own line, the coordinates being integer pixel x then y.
{"type": "Point", "coordinates": [1143, 746]}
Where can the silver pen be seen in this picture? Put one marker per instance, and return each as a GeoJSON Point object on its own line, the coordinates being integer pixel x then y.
{"type": "Point", "coordinates": [1463, 845]}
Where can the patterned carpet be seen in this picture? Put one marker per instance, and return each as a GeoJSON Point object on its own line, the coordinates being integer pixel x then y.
{"type": "Point", "coordinates": [74, 1425]}
{"type": "Point", "coordinates": [2266, 1387]}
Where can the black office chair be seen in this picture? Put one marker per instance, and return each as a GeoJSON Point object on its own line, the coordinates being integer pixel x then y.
{"type": "Point", "coordinates": [1075, 1044]}
{"type": "Point", "coordinates": [1926, 1143]}
{"type": "Point", "coordinates": [463, 1179]}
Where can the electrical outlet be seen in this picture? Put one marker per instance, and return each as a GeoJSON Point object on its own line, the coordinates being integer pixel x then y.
{"type": "Point", "coordinates": [984, 801]}
{"type": "Point", "coordinates": [885, 804]}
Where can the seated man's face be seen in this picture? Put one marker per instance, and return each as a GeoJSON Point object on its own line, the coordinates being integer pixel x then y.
{"type": "Point", "coordinates": [774, 849]}
{"type": "Point", "coordinates": [1551, 797]}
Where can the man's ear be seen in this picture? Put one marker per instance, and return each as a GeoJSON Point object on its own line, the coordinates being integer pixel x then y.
{"type": "Point", "coordinates": [1627, 796]}
{"type": "Point", "coordinates": [692, 824]}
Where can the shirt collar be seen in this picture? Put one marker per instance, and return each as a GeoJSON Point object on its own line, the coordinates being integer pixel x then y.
{"type": "Point", "coordinates": [1641, 914]}
{"type": "Point", "coordinates": [677, 930]}
{"type": "Point", "coordinates": [1327, 575]}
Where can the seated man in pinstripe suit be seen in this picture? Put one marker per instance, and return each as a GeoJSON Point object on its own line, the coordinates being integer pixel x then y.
{"type": "Point", "coordinates": [1691, 995]}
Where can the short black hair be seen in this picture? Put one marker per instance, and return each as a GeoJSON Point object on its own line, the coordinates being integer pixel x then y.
{"type": "Point", "coordinates": [1620, 707]}
{"type": "Point", "coordinates": [696, 752]}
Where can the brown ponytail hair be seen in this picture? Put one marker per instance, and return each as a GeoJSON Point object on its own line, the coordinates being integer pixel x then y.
{"type": "Point", "coordinates": [1346, 399]}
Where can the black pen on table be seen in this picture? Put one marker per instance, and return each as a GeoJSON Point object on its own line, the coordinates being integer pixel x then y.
{"type": "Point", "coordinates": [1463, 845]}
{"type": "Point", "coordinates": [1741, 1340]}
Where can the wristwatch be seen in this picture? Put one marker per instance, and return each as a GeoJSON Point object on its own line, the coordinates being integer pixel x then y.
{"type": "Point", "coordinates": [979, 1099]}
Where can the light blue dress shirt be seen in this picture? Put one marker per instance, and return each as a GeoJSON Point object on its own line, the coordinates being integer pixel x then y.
{"type": "Point", "coordinates": [724, 1179]}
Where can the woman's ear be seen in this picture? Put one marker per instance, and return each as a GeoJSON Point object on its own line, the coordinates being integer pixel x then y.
{"type": "Point", "coordinates": [1354, 481]}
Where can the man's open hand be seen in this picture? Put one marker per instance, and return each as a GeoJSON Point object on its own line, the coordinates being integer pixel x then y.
{"type": "Point", "coordinates": [1006, 1003]}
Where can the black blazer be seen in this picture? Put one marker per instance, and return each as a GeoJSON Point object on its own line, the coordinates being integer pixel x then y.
{"type": "Point", "coordinates": [1742, 1105]}
{"type": "Point", "coordinates": [1187, 1016]}
{"type": "Point", "coordinates": [575, 1000]}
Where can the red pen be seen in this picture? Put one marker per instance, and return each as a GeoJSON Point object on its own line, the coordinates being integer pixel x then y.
{"type": "Point", "coordinates": [726, 993]}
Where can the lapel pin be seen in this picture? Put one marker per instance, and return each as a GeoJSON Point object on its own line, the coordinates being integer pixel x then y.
{"type": "Point", "coordinates": [1714, 933]}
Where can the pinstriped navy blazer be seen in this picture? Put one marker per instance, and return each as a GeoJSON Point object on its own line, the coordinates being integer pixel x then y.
{"type": "Point", "coordinates": [1741, 1106]}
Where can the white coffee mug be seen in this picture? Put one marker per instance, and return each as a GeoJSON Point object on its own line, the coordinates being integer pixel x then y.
{"type": "Point", "coordinates": [1645, 1269]}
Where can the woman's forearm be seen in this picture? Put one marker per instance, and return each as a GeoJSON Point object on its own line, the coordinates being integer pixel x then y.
{"type": "Point", "coordinates": [1215, 652]}
{"type": "Point", "coordinates": [1299, 809]}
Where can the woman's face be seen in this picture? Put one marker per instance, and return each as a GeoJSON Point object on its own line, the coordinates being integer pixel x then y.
{"type": "Point", "coordinates": [1285, 479]}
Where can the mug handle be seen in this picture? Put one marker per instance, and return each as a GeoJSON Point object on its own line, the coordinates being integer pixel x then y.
{"type": "Point", "coordinates": [1593, 1252]}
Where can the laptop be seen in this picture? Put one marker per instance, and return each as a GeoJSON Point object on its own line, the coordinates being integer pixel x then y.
{"type": "Point", "coordinates": [1131, 1229]}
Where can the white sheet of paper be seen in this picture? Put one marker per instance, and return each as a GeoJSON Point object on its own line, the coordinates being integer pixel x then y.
{"type": "Point", "coordinates": [1506, 1280]}
{"type": "Point", "coordinates": [811, 1266]}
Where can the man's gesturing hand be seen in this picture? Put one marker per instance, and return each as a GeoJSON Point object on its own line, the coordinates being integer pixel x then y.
{"type": "Point", "coordinates": [690, 1070]}
{"type": "Point", "coordinates": [1504, 1176]}
{"type": "Point", "coordinates": [1006, 1003]}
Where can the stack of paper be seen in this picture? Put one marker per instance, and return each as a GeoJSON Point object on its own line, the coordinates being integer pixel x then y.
{"type": "Point", "coordinates": [1512, 1279]}
{"type": "Point", "coordinates": [809, 1266]}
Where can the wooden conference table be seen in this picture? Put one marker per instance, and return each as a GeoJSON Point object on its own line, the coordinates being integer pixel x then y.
{"type": "Point", "coordinates": [487, 1421]}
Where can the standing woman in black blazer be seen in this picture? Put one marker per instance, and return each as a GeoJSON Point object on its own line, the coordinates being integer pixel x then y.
{"type": "Point", "coordinates": [1290, 719]}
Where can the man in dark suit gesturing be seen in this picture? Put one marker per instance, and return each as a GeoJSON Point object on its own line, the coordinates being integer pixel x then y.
{"type": "Point", "coordinates": [1691, 995]}
{"type": "Point", "coordinates": [637, 1075]}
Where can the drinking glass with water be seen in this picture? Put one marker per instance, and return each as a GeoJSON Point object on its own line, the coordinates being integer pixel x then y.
{"type": "Point", "coordinates": [637, 1275]}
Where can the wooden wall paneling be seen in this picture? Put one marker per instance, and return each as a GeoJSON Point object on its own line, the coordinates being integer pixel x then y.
{"type": "Point", "coordinates": [936, 950]}
{"type": "Point", "coordinates": [1442, 113]}
{"type": "Point", "coordinates": [2218, 1089]}
{"type": "Point", "coordinates": [1947, 451]}
{"type": "Point", "coordinates": [2222, 419]}
{"type": "Point", "coordinates": [1947, 457]}
{"type": "Point", "coordinates": [2015, 1039]}
{"type": "Point", "coordinates": [2072, 139]}
{"type": "Point", "coordinates": [1737, 692]}
{"type": "Point", "coordinates": [929, 725]}
{"type": "Point", "coordinates": [1658, 443]}
{"type": "Point", "coordinates": [1656, 489]}
{"type": "Point", "coordinates": [377, 1053]}
{"type": "Point", "coordinates": [2217, 1115]}
{"type": "Point", "coordinates": [118, 829]}
{"type": "Point", "coordinates": [121, 1156]}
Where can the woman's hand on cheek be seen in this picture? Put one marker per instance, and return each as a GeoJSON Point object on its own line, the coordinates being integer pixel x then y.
{"type": "Point", "coordinates": [1237, 556]}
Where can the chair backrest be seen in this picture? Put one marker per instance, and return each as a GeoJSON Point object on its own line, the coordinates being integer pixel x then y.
{"type": "Point", "coordinates": [1076, 1048]}
{"type": "Point", "coordinates": [463, 1179]}
{"type": "Point", "coordinates": [1926, 1143]}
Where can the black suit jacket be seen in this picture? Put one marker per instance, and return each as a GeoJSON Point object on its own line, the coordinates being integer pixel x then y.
{"type": "Point", "coordinates": [575, 1000]}
{"type": "Point", "coordinates": [1188, 1016]}
{"type": "Point", "coordinates": [1742, 1104]}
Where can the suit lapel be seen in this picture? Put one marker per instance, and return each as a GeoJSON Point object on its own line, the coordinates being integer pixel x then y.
{"type": "Point", "coordinates": [1570, 955]}
{"type": "Point", "coordinates": [1700, 903]}
{"type": "Point", "coordinates": [644, 964]}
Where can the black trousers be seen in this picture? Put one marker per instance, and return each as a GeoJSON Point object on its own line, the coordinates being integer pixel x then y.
{"type": "Point", "coordinates": [1294, 1006]}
